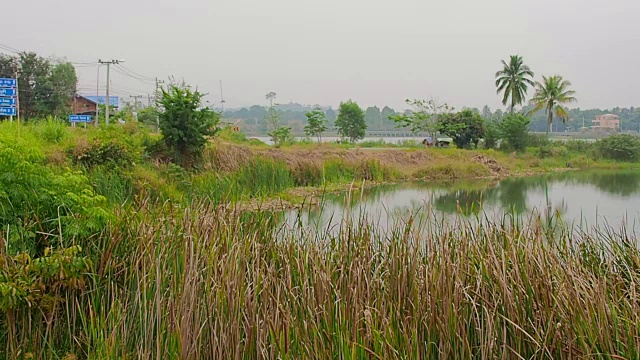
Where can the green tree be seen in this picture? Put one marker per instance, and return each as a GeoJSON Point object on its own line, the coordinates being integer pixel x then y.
{"type": "Point", "coordinates": [465, 127]}
{"type": "Point", "coordinates": [550, 95]}
{"type": "Point", "coordinates": [45, 87]}
{"type": "Point", "coordinates": [373, 118]}
{"type": "Point", "coordinates": [148, 116]}
{"type": "Point", "coordinates": [515, 130]}
{"type": "Point", "coordinates": [275, 130]}
{"type": "Point", "coordinates": [424, 116]}
{"type": "Point", "coordinates": [491, 133]}
{"type": "Point", "coordinates": [350, 121]}
{"type": "Point", "coordinates": [316, 123]}
{"type": "Point", "coordinates": [62, 81]}
{"type": "Point", "coordinates": [513, 80]}
{"type": "Point", "coordinates": [486, 112]}
{"type": "Point", "coordinates": [281, 135]}
{"type": "Point", "coordinates": [184, 123]}
{"type": "Point", "coordinates": [387, 114]}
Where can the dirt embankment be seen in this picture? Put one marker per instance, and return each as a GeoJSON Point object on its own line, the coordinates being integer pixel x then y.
{"type": "Point", "coordinates": [409, 163]}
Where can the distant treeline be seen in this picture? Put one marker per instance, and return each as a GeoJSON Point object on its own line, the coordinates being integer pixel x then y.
{"type": "Point", "coordinates": [252, 119]}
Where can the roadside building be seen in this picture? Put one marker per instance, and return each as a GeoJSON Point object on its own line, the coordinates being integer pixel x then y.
{"type": "Point", "coordinates": [607, 122]}
{"type": "Point", "coordinates": [81, 105]}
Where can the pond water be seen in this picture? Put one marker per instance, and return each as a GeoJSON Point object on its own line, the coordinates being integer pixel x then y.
{"type": "Point", "coordinates": [584, 199]}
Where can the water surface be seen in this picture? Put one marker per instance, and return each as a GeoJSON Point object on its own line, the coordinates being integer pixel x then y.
{"type": "Point", "coordinates": [584, 199]}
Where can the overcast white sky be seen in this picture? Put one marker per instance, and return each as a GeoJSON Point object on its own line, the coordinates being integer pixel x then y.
{"type": "Point", "coordinates": [372, 51]}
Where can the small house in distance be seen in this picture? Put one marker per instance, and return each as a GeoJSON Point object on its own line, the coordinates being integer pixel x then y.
{"type": "Point", "coordinates": [81, 105]}
{"type": "Point", "coordinates": [607, 122]}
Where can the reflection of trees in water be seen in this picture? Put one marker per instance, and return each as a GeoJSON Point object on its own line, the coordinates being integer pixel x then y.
{"type": "Point", "coordinates": [620, 184]}
{"type": "Point", "coordinates": [508, 194]}
{"type": "Point", "coordinates": [468, 198]}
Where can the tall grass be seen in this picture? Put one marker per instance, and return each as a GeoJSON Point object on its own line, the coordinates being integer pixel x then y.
{"type": "Point", "coordinates": [204, 283]}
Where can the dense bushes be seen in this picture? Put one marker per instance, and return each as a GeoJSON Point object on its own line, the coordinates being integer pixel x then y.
{"type": "Point", "coordinates": [621, 147]}
{"type": "Point", "coordinates": [515, 130]}
{"type": "Point", "coordinates": [112, 154]}
{"type": "Point", "coordinates": [38, 203]}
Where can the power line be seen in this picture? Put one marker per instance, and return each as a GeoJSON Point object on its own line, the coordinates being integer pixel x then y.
{"type": "Point", "coordinates": [119, 71]}
{"type": "Point", "coordinates": [135, 73]}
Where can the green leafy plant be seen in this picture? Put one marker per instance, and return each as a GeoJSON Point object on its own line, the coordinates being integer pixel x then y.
{"type": "Point", "coordinates": [53, 130]}
{"type": "Point", "coordinates": [316, 123]}
{"type": "Point", "coordinates": [465, 128]}
{"type": "Point", "coordinates": [424, 116]}
{"type": "Point", "coordinates": [112, 154]}
{"type": "Point", "coordinates": [184, 124]}
{"type": "Point", "coordinates": [281, 135]}
{"type": "Point", "coordinates": [515, 130]}
{"type": "Point", "coordinates": [350, 122]}
{"type": "Point", "coordinates": [622, 147]}
{"type": "Point", "coordinates": [39, 204]}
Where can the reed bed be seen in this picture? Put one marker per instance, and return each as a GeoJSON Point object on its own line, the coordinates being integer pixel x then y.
{"type": "Point", "coordinates": [208, 283]}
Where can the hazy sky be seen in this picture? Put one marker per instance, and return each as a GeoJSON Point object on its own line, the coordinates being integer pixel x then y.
{"type": "Point", "coordinates": [375, 52]}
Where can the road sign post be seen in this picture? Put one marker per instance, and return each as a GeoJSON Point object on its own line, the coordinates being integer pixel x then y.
{"type": "Point", "coordinates": [73, 119]}
{"type": "Point", "coordinates": [9, 98]}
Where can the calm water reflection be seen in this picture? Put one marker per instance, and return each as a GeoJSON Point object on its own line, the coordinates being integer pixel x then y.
{"type": "Point", "coordinates": [579, 198]}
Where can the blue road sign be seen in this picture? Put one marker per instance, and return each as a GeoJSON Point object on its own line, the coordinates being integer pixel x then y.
{"type": "Point", "coordinates": [10, 111]}
{"type": "Point", "coordinates": [5, 82]}
{"type": "Point", "coordinates": [7, 92]}
{"type": "Point", "coordinates": [8, 102]}
{"type": "Point", "coordinates": [80, 118]}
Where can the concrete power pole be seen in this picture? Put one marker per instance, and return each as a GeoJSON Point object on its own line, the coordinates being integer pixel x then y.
{"type": "Point", "coordinates": [135, 101]}
{"type": "Point", "coordinates": [156, 97]}
{"type": "Point", "coordinates": [107, 103]}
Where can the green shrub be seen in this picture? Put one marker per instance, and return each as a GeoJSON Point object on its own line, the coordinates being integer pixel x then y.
{"type": "Point", "coordinates": [37, 202]}
{"type": "Point", "coordinates": [579, 146]}
{"type": "Point", "coordinates": [538, 140]}
{"type": "Point", "coordinates": [112, 154]}
{"type": "Point", "coordinates": [544, 151]}
{"type": "Point", "coordinates": [621, 147]}
{"type": "Point", "coordinates": [53, 130]}
{"type": "Point", "coordinates": [515, 130]}
{"type": "Point", "coordinates": [491, 134]}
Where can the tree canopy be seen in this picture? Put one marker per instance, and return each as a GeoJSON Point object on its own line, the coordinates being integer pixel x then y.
{"type": "Point", "coordinates": [424, 116]}
{"type": "Point", "coordinates": [316, 123]}
{"type": "Point", "coordinates": [45, 87]}
{"type": "Point", "coordinates": [350, 121]}
{"type": "Point", "coordinates": [513, 80]}
{"type": "Point", "coordinates": [465, 127]}
{"type": "Point", "coordinates": [184, 123]}
{"type": "Point", "coordinates": [550, 95]}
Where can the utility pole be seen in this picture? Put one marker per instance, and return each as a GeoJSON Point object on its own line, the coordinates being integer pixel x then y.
{"type": "Point", "coordinates": [135, 101]}
{"type": "Point", "coordinates": [97, 95]}
{"type": "Point", "coordinates": [221, 98]}
{"type": "Point", "coordinates": [156, 97]}
{"type": "Point", "coordinates": [107, 103]}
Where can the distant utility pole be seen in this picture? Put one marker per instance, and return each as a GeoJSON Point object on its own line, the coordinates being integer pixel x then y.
{"type": "Point", "coordinates": [107, 103]}
{"type": "Point", "coordinates": [135, 100]}
{"type": "Point", "coordinates": [221, 98]}
{"type": "Point", "coordinates": [97, 95]}
{"type": "Point", "coordinates": [156, 97]}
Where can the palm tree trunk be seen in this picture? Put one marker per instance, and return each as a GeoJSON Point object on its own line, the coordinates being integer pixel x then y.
{"type": "Point", "coordinates": [549, 121]}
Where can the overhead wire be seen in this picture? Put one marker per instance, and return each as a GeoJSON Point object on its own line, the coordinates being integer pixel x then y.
{"type": "Point", "coordinates": [135, 73]}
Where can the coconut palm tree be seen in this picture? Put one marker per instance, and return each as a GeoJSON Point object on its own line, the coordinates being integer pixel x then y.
{"type": "Point", "coordinates": [550, 95]}
{"type": "Point", "coordinates": [513, 80]}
